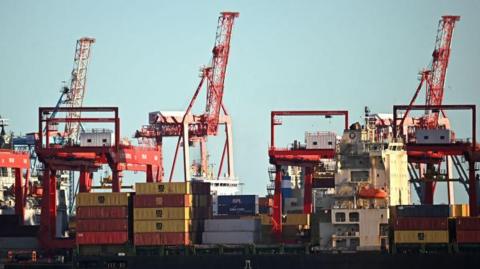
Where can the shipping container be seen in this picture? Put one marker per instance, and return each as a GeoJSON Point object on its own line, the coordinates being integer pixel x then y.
{"type": "Point", "coordinates": [237, 199]}
{"type": "Point", "coordinates": [462, 210]}
{"type": "Point", "coordinates": [468, 237]}
{"type": "Point", "coordinates": [102, 199]}
{"type": "Point", "coordinates": [162, 200]}
{"type": "Point", "coordinates": [151, 226]}
{"type": "Point", "coordinates": [427, 211]}
{"type": "Point", "coordinates": [102, 225]}
{"type": "Point", "coordinates": [230, 237]}
{"type": "Point", "coordinates": [421, 237]}
{"type": "Point", "coordinates": [163, 188]}
{"type": "Point", "coordinates": [101, 238]}
{"type": "Point", "coordinates": [420, 224]}
{"type": "Point", "coordinates": [97, 212]}
{"type": "Point", "coordinates": [178, 213]}
{"type": "Point", "coordinates": [232, 225]}
{"type": "Point", "coordinates": [467, 223]}
{"type": "Point", "coordinates": [296, 219]}
{"type": "Point", "coordinates": [265, 219]}
{"type": "Point", "coordinates": [158, 239]}
{"type": "Point", "coordinates": [238, 210]}
{"type": "Point", "coordinates": [265, 201]}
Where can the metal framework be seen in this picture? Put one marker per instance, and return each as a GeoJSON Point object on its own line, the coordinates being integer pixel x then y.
{"type": "Point", "coordinates": [19, 162]}
{"type": "Point", "coordinates": [306, 158]}
{"type": "Point", "coordinates": [422, 153]}
{"type": "Point", "coordinates": [196, 128]}
{"type": "Point", "coordinates": [85, 160]}
{"type": "Point", "coordinates": [78, 84]}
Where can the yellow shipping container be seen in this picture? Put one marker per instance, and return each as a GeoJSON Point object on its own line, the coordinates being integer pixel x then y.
{"type": "Point", "coordinates": [103, 199]}
{"type": "Point", "coordinates": [462, 210]}
{"type": "Point", "coordinates": [167, 188]}
{"type": "Point", "coordinates": [421, 237]}
{"type": "Point", "coordinates": [296, 219]}
{"type": "Point", "coordinates": [152, 226]}
{"type": "Point", "coordinates": [265, 219]}
{"type": "Point", "coordinates": [172, 213]}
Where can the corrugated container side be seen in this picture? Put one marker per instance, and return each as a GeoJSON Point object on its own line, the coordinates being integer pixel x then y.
{"type": "Point", "coordinates": [296, 219]}
{"type": "Point", "coordinates": [237, 199]}
{"type": "Point", "coordinates": [426, 211]}
{"type": "Point", "coordinates": [428, 237]}
{"type": "Point", "coordinates": [151, 226]}
{"type": "Point", "coordinates": [462, 210]}
{"type": "Point", "coordinates": [101, 238]}
{"type": "Point", "coordinates": [102, 225]}
{"type": "Point", "coordinates": [163, 188]}
{"type": "Point", "coordinates": [171, 213]}
{"type": "Point", "coordinates": [467, 223]}
{"type": "Point", "coordinates": [410, 223]}
{"type": "Point", "coordinates": [467, 237]}
{"type": "Point", "coordinates": [102, 199]}
{"type": "Point", "coordinates": [162, 213]}
{"type": "Point", "coordinates": [237, 209]}
{"type": "Point", "coordinates": [158, 239]}
{"type": "Point", "coordinates": [159, 200]}
{"type": "Point", "coordinates": [230, 237]}
{"type": "Point", "coordinates": [97, 212]}
{"type": "Point", "coordinates": [265, 219]}
{"type": "Point", "coordinates": [232, 225]}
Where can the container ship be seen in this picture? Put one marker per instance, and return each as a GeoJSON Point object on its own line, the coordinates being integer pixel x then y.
{"type": "Point", "coordinates": [334, 198]}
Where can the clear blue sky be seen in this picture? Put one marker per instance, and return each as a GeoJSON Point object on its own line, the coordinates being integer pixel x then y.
{"type": "Point", "coordinates": [284, 55]}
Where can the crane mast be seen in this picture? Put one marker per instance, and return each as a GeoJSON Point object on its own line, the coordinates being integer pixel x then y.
{"type": "Point", "coordinates": [436, 75]}
{"type": "Point", "coordinates": [216, 72]}
{"type": "Point", "coordinates": [74, 97]}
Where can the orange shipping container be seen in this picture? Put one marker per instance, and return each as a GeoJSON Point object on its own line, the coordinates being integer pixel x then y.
{"type": "Point", "coordinates": [102, 238]}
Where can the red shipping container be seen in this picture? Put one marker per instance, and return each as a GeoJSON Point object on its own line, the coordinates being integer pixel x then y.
{"type": "Point", "coordinates": [162, 200]}
{"type": "Point", "coordinates": [424, 224]}
{"type": "Point", "coordinates": [102, 238]}
{"type": "Point", "coordinates": [468, 223]}
{"type": "Point", "coordinates": [155, 239]}
{"type": "Point", "coordinates": [102, 212]}
{"type": "Point", "coordinates": [468, 236]}
{"type": "Point", "coordinates": [102, 225]}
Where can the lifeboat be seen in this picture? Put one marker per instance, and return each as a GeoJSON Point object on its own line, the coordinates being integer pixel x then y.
{"type": "Point", "coordinates": [372, 193]}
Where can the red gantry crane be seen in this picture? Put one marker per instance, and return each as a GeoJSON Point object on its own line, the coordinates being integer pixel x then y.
{"type": "Point", "coordinates": [196, 128]}
{"type": "Point", "coordinates": [434, 80]}
{"type": "Point", "coordinates": [306, 158]}
{"type": "Point", "coordinates": [429, 140]}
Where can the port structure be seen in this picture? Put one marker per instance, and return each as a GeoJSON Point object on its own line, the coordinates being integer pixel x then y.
{"type": "Point", "coordinates": [434, 153]}
{"type": "Point", "coordinates": [20, 162]}
{"type": "Point", "coordinates": [305, 158]}
{"type": "Point", "coordinates": [86, 160]}
{"type": "Point", "coordinates": [433, 120]}
{"type": "Point", "coordinates": [190, 128]}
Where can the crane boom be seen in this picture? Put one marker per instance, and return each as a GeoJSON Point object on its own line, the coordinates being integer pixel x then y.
{"type": "Point", "coordinates": [438, 71]}
{"type": "Point", "coordinates": [78, 81]}
{"type": "Point", "coordinates": [216, 73]}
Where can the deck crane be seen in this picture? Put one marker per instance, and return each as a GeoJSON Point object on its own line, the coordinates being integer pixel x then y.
{"type": "Point", "coordinates": [434, 80]}
{"type": "Point", "coordinates": [196, 128]}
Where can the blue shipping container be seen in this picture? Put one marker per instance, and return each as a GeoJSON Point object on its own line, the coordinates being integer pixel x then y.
{"type": "Point", "coordinates": [238, 210]}
{"type": "Point", "coordinates": [428, 211]}
{"type": "Point", "coordinates": [238, 200]}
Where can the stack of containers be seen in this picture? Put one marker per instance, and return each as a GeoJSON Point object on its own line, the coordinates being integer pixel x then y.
{"type": "Point", "coordinates": [237, 205]}
{"type": "Point", "coordinates": [170, 213]}
{"type": "Point", "coordinates": [231, 231]}
{"type": "Point", "coordinates": [102, 218]}
{"type": "Point", "coordinates": [467, 230]}
{"type": "Point", "coordinates": [420, 224]}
